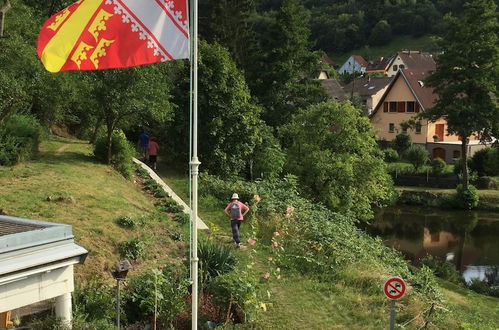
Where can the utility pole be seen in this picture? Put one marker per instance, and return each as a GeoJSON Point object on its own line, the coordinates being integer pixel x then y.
{"type": "Point", "coordinates": [3, 10]}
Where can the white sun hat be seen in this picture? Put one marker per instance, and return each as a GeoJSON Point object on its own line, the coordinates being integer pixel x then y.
{"type": "Point", "coordinates": [235, 196]}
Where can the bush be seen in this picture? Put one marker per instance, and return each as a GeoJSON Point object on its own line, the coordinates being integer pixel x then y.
{"type": "Point", "coordinates": [391, 155]}
{"type": "Point", "coordinates": [133, 249]}
{"type": "Point", "coordinates": [122, 152]}
{"type": "Point", "coordinates": [182, 218]}
{"type": "Point", "coordinates": [416, 155]}
{"type": "Point", "coordinates": [466, 199]}
{"type": "Point", "coordinates": [478, 160]}
{"type": "Point", "coordinates": [438, 166]}
{"type": "Point", "coordinates": [167, 290]}
{"type": "Point", "coordinates": [492, 162]}
{"type": "Point", "coordinates": [20, 137]}
{"type": "Point", "coordinates": [94, 299]}
{"type": "Point", "coordinates": [169, 205]}
{"type": "Point", "coordinates": [401, 143]}
{"type": "Point", "coordinates": [214, 260]}
{"type": "Point", "coordinates": [127, 222]}
{"type": "Point", "coordinates": [237, 289]}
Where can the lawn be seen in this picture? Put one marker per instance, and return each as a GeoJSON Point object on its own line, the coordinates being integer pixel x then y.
{"type": "Point", "coordinates": [65, 184]}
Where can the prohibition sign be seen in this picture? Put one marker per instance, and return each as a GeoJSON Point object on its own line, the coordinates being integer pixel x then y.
{"type": "Point", "coordinates": [394, 288]}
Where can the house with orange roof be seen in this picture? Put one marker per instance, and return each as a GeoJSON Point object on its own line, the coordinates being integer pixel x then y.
{"type": "Point", "coordinates": [405, 97]}
{"type": "Point", "coordinates": [355, 63]}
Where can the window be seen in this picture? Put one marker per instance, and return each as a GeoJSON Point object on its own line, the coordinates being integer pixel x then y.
{"type": "Point", "coordinates": [393, 106]}
{"type": "Point", "coordinates": [391, 128]}
{"type": "Point", "coordinates": [404, 129]}
{"type": "Point", "coordinates": [395, 67]}
{"type": "Point", "coordinates": [418, 128]}
{"type": "Point", "coordinates": [401, 66]}
{"type": "Point", "coordinates": [410, 107]}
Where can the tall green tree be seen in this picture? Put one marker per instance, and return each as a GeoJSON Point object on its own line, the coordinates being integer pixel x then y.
{"type": "Point", "coordinates": [230, 23]}
{"type": "Point", "coordinates": [332, 149]}
{"type": "Point", "coordinates": [229, 122]}
{"type": "Point", "coordinates": [281, 77]}
{"type": "Point", "coordinates": [467, 75]}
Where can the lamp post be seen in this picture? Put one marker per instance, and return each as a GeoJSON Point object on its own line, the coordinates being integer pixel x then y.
{"type": "Point", "coordinates": [119, 273]}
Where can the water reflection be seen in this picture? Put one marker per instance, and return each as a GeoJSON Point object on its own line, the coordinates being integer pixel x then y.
{"type": "Point", "coordinates": [470, 240]}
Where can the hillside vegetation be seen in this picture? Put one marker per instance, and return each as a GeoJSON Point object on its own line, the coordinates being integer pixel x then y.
{"type": "Point", "coordinates": [90, 197]}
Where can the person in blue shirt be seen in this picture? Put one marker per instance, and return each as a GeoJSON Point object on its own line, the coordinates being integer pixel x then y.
{"type": "Point", "coordinates": [144, 145]}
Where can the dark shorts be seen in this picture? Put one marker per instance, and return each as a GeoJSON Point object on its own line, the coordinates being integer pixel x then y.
{"type": "Point", "coordinates": [153, 158]}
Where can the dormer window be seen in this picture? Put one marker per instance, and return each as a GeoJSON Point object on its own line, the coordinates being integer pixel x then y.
{"type": "Point", "coordinates": [395, 67]}
{"type": "Point", "coordinates": [421, 83]}
{"type": "Point", "coordinates": [401, 66]}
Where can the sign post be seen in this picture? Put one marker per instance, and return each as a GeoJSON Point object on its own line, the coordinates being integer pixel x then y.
{"type": "Point", "coordinates": [394, 289]}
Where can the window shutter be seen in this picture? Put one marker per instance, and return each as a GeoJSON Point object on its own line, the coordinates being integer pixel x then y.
{"type": "Point", "coordinates": [385, 107]}
{"type": "Point", "coordinates": [400, 106]}
{"type": "Point", "coordinates": [416, 106]}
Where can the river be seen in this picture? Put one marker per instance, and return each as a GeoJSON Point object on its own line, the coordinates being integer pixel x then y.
{"type": "Point", "coordinates": [470, 240]}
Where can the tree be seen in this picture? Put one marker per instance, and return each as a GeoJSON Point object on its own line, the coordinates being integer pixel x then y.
{"type": "Point", "coordinates": [381, 34]}
{"type": "Point", "coordinates": [131, 95]}
{"type": "Point", "coordinates": [281, 76]}
{"type": "Point", "coordinates": [332, 149]}
{"type": "Point", "coordinates": [229, 123]}
{"type": "Point", "coordinates": [417, 155]}
{"type": "Point", "coordinates": [467, 76]}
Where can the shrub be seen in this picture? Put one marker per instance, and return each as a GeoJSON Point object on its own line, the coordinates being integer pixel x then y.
{"type": "Point", "coordinates": [237, 289]}
{"type": "Point", "coordinates": [94, 299]}
{"type": "Point", "coordinates": [401, 143]}
{"type": "Point", "coordinates": [478, 160]}
{"type": "Point", "coordinates": [167, 291]}
{"type": "Point", "coordinates": [181, 218]}
{"type": "Point", "coordinates": [391, 155]}
{"type": "Point", "coordinates": [479, 286]}
{"type": "Point", "coordinates": [214, 260]}
{"type": "Point", "coordinates": [133, 249]}
{"type": "Point", "coordinates": [438, 166]}
{"type": "Point", "coordinates": [142, 173]}
{"type": "Point", "coordinates": [19, 139]}
{"type": "Point", "coordinates": [416, 155]}
{"type": "Point", "coordinates": [466, 199]}
{"type": "Point", "coordinates": [169, 205]}
{"type": "Point", "coordinates": [122, 152]}
{"type": "Point", "coordinates": [492, 162]}
{"type": "Point", "coordinates": [127, 222]}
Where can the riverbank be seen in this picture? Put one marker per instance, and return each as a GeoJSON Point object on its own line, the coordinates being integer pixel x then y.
{"type": "Point", "coordinates": [436, 197]}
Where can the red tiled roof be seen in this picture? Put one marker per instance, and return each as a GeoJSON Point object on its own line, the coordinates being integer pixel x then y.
{"type": "Point", "coordinates": [360, 60]}
{"type": "Point", "coordinates": [416, 60]}
{"type": "Point", "coordinates": [379, 65]}
{"type": "Point", "coordinates": [415, 81]}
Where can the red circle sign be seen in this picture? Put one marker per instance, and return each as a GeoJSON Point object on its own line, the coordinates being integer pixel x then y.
{"type": "Point", "coordinates": [394, 288]}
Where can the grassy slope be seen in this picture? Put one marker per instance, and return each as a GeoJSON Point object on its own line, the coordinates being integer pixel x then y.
{"type": "Point", "coordinates": [65, 168]}
{"type": "Point", "coordinates": [424, 43]}
{"type": "Point", "coordinates": [303, 303]}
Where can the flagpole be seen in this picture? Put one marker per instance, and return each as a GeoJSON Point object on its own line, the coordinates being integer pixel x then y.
{"type": "Point", "coordinates": [194, 164]}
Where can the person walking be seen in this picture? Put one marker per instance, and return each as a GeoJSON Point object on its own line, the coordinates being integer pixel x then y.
{"type": "Point", "coordinates": [144, 145]}
{"type": "Point", "coordinates": [153, 152]}
{"type": "Point", "coordinates": [236, 210]}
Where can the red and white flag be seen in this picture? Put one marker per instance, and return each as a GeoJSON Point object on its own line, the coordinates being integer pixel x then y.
{"type": "Point", "coordinates": [105, 34]}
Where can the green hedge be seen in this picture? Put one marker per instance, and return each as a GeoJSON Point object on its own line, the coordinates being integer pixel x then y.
{"type": "Point", "coordinates": [20, 137]}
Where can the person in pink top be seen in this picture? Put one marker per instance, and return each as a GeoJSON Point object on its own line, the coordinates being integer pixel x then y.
{"type": "Point", "coordinates": [236, 211]}
{"type": "Point", "coordinates": [153, 152]}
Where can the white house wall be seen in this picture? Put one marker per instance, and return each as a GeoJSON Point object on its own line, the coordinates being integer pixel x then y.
{"type": "Point", "coordinates": [35, 288]}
